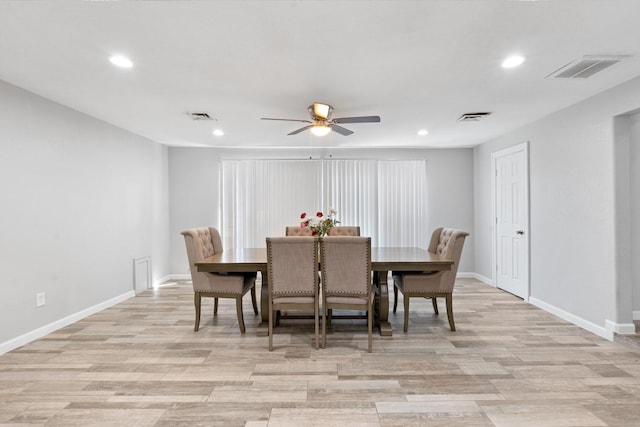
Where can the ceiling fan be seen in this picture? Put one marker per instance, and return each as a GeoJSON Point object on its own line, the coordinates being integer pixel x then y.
{"type": "Point", "coordinates": [321, 122]}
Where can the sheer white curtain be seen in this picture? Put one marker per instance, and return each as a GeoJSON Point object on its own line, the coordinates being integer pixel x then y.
{"type": "Point", "coordinates": [386, 198]}
{"type": "Point", "coordinates": [402, 187]}
{"type": "Point", "coordinates": [351, 188]}
{"type": "Point", "coordinates": [259, 198]}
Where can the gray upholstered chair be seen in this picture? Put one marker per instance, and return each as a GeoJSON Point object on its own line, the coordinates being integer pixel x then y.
{"type": "Point", "coordinates": [292, 269]}
{"type": "Point", "coordinates": [346, 278]}
{"type": "Point", "coordinates": [344, 230]}
{"type": "Point", "coordinates": [295, 230]}
{"type": "Point", "coordinates": [447, 242]}
{"type": "Point", "coordinates": [205, 242]}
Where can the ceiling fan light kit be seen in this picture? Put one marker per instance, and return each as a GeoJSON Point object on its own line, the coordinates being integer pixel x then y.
{"type": "Point", "coordinates": [320, 129]}
{"type": "Point", "coordinates": [322, 124]}
{"type": "Point", "coordinates": [320, 111]}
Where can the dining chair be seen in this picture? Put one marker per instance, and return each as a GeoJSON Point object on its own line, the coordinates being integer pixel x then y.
{"type": "Point", "coordinates": [292, 269]}
{"type": "Point", "coordinates": [446, 242]}
{"type": "Point", "coordinates": [346, 278]}
{"type": "Point", "coordinates": [344, 230]}
{"type": "Point", "coordinates": [202, 243]}
{"type": "Point", "coordinates": [296, 230]}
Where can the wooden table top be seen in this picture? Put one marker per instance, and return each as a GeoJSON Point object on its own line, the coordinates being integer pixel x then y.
{"type": "Point", "coordinates": [382, 258]}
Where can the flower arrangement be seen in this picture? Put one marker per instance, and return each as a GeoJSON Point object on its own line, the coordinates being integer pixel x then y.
{"type": "Point", "coordinates": [319, 224]}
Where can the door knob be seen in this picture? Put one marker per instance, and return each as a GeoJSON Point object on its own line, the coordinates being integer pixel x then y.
{"type": "Point", "coordinates": [520, 232]}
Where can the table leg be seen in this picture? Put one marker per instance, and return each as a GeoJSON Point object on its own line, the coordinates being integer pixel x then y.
{"type": "Point", "coordinates": [264, 298]}
{"type": "Point", "coordinates": [381, 304]}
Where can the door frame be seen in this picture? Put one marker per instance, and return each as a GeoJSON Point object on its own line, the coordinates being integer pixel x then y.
{"type": "Point", "coordinates": [524, 146]}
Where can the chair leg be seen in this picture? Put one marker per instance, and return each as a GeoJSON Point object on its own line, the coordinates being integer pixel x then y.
{"type": "Point", "coordinates": [370, 325]}
{"type": "Point", "coordinates": [270, 328]}
{"type": "Point", "coordinates": [215, 306]}
{"type": "Point", "coordinates": [449, 298]}
{"type": "Point", "coordinates": [434, 300]}
{"type": "Point", "coordinates": [324, 326]}
{"type": "Point", "coordinates": [315, 323]}
{"type": "Point", "coordinates": [406, 312]}
{"type": "Point", "coordinates": [253, 300]}
{"type": "Point", "coordinates": [395, 298]}
{"type": "Point", "coordinates": [196, 301]}
{"type": "Point", "coordinates": [239, 310]}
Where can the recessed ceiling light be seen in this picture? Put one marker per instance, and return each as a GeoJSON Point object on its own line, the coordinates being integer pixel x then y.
{"type": "Point", "coordinates": [512, 61]}
{"type": "Point", "coordinates": [423, 132]}
{"type": "Point", "coordinates": [218, 132]}
{"type": "Point", "coordinates": [121, 61]}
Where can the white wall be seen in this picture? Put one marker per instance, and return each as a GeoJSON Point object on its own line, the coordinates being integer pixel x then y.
{"type": "Point", "coordinates": [573, 209]}
{"type": "Point", "coordinates": [634, 155]}
{"type": "Point", "coordinates": [194, 188]}
{"type": "Point", "coordinates": [80, 199]}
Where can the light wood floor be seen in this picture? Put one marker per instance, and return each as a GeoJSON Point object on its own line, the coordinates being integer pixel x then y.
{"type": "Point", "coordinates": [140, 364]}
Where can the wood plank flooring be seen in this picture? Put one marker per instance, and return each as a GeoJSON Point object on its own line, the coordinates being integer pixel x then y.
{"type": "Point", "coordinates": [139, 363]}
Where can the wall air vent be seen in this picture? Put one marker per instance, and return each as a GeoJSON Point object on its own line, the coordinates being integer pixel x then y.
{"type": "Point", "coordinates": [472, 117]}
{"type": "Point", "coordinates": [201, 116]}
{"type": "Point", "coordinates": [586, 66]}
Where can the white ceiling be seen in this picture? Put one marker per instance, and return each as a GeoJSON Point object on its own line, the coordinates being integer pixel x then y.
{"type": "Point", "coordinates": [417, 64]}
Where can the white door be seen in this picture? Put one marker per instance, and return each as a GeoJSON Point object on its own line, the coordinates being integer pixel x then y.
{"type": "Point", "coordinates": [511, 213]}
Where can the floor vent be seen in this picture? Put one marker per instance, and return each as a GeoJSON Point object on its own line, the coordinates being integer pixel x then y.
{"type": "Point", "coordinates": [472, 117]}
{"type": "Point", "coordinates": [585, 67]}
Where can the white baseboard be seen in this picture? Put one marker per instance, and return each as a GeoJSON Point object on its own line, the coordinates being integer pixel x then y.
{"type": "Point", "coordinates": [620, 328]}
{"type": "Point", "coordinates": [467, 275]}
{"type": "Point", "coordinates": [54, 326]}
{"type": "Point", "coordinates": [606, 332]}
{"type": "Point", "coordinates": [178, 277]}
{"type": "Point", "coordinates": [162, 279]}
{"type": "Point", "coordinates": [486, 280]}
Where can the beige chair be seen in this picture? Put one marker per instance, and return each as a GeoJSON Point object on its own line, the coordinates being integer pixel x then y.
{"type": "Point", "coordinates": [295, 230]}
{"type": "Point", "coordinates": [344, 230]}
{"type": "Point", "coordinates": [205, 242]}
{"type": "Point", "coordinates": [448, 243]}
{"type": "Point", "coordinates": [292, 269]}
{"type": "Point", "coordinates": [346, 278]}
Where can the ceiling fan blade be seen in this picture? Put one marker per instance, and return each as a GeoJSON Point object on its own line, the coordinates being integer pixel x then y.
{"type": "Point", "coordinates": [287, 120]}
{"type": "Point", "coordinates": [297, 131]}
{"type": "Point", "coordinates": [363, 119]}
{"type": "Point", "coordinates": [341, 130]}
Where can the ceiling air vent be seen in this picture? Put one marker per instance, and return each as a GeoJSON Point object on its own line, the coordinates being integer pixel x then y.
{"type": "Point", "coordinates": [472, 117]}
{"type": "Point", "coordinates": [201, 116]}
{"type": "Point", "coordinates": [585, 67]}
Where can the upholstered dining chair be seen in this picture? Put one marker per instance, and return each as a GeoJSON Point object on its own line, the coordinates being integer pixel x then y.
{"type": "Point", "coordinates": [344, 230]}
{"type": "Point", "coordinates": [205, 242]}
{"type": "Point", "coordinates": [346, 278]}
{"type": "Point", "coordinates": [446, 242]}
{"type": "Point", "coordinates": [292, 269]}
{"type": "Point", "coordinates": [296, 230]}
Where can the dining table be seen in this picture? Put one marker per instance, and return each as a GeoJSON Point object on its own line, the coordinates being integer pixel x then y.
{"type": "Point", "coordinates": [383, 261]}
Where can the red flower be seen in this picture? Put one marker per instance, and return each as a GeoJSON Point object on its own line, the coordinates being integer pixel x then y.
{"type": "Point", "coordinates": [303, 215]}
{"type": "Point", "coordinates": [319, 214]}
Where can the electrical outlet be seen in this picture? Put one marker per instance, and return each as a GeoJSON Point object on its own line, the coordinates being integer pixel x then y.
{"type": "Point", "coordinates": [40, 299]}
